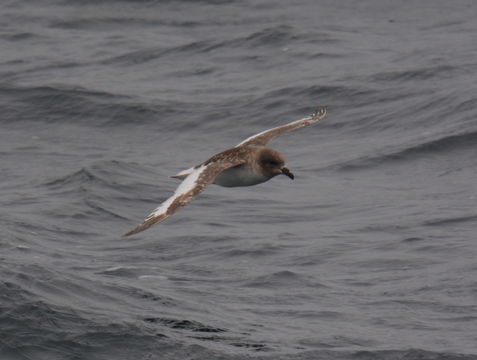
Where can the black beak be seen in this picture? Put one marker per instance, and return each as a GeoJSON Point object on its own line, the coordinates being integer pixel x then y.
{"type": "Point", "coordinates": [286, 171]}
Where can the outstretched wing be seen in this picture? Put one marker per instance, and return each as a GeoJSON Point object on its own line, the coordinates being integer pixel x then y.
{"type": "Point", "coordinates": [264, 137]}
{"type": "Point", "coordinates": [199, 178]}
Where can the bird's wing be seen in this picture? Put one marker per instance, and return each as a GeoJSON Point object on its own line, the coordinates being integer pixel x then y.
{"type": "Point", "coordinates": [198, 179]}
{"type": "Point", "coordinates": [264, 137]}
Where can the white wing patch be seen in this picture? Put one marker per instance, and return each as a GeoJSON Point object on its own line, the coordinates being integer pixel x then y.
{"type": "Point", "coordinates": [187, 185]}
{"type": "Point", "coordinates": [165, 210]}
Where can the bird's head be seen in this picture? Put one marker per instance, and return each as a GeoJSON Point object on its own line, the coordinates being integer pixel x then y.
{"type": "Point", "coordinates": [273, 163]}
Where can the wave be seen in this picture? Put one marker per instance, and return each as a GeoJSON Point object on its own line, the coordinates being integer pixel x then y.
{"type": "Point", "coordinates": [29, 324]}
{"type": "Point", "coordinates": [100, 173]}
{"type": "Point", "coordinates": [19, 36]}
{"type": "Point", "coordinates": [445, 145]}
{"type": "Point", "coordinates": [282, 279]}
{"type": "Point", "coordinates": [424, 73]}
{"type": "Point", "coordinates": [293, 102]}
{"type": "Point", "coordinates": [111, 23]}
{"type": "Point", "coordinates": [269, 37]}
{"type": "Point", "coordinates": [35, 329]}
{"type": "Point", "coordinates": [451, 220]}
{"type": "Point", "coordinates": [144, 56]}
{"type": "Point", "coordinates": [77, 105]}
{"type": "Point", "coordinates": [150, 3]}
{"type": "Point", "coordinates": [190, 325]}
{"type": "Point", "coordinates": [96, 191]}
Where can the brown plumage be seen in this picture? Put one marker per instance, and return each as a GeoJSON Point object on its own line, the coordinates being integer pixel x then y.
{"type": "Point", "coordinates": [248, 163]}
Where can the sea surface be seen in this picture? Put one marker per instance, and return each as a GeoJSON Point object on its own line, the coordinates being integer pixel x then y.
{"type": "Point", "coordinates": [369, 254]}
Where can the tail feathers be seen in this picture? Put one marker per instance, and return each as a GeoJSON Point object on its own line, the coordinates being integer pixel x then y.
{"type": "Point", "coordinates": [179, 176]}
{"type": "Point", "coordinates": [184, 173]}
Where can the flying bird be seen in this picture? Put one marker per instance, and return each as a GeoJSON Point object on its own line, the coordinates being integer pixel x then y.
{"type": "Point", "coordinates": [248, 163]}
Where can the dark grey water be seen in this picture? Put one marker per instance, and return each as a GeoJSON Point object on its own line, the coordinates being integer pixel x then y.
{"type": "Point", "coordinates": [369, 254]}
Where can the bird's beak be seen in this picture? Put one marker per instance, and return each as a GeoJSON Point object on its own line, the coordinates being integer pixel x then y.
{"type": "Point", "coordinates": [286, 171]}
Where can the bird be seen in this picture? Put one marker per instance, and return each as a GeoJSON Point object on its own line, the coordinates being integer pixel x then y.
{"type": "Point", "coordinates": [248, 163]}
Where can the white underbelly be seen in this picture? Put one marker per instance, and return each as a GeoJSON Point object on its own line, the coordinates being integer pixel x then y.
{"type": "Point", "coordinates": [239, 176]}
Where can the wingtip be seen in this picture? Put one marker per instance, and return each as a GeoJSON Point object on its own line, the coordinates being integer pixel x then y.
{"type": "Point", "coordinates": [132, 232]}
{"type": "Point", "coordinates": [319, 113]}
{"type": "Point", "coordinates": [146, 224]}
{"type": "Point", "coordinates": [137, 229]}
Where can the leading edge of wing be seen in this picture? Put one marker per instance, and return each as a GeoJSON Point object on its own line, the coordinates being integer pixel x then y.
{"type": "Point", "coordinates": [264, 137]}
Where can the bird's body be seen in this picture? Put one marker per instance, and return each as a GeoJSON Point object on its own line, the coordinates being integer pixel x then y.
{"type": "Point", "coordinates": [240, 175]}
{"type": "Point", "coordinates": [248, 163]}
{"type": "Point", "coordinates": [251, 171]}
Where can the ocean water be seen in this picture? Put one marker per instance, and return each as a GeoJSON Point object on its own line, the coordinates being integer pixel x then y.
{"type": "Point", "coordinates": [370, 253]}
